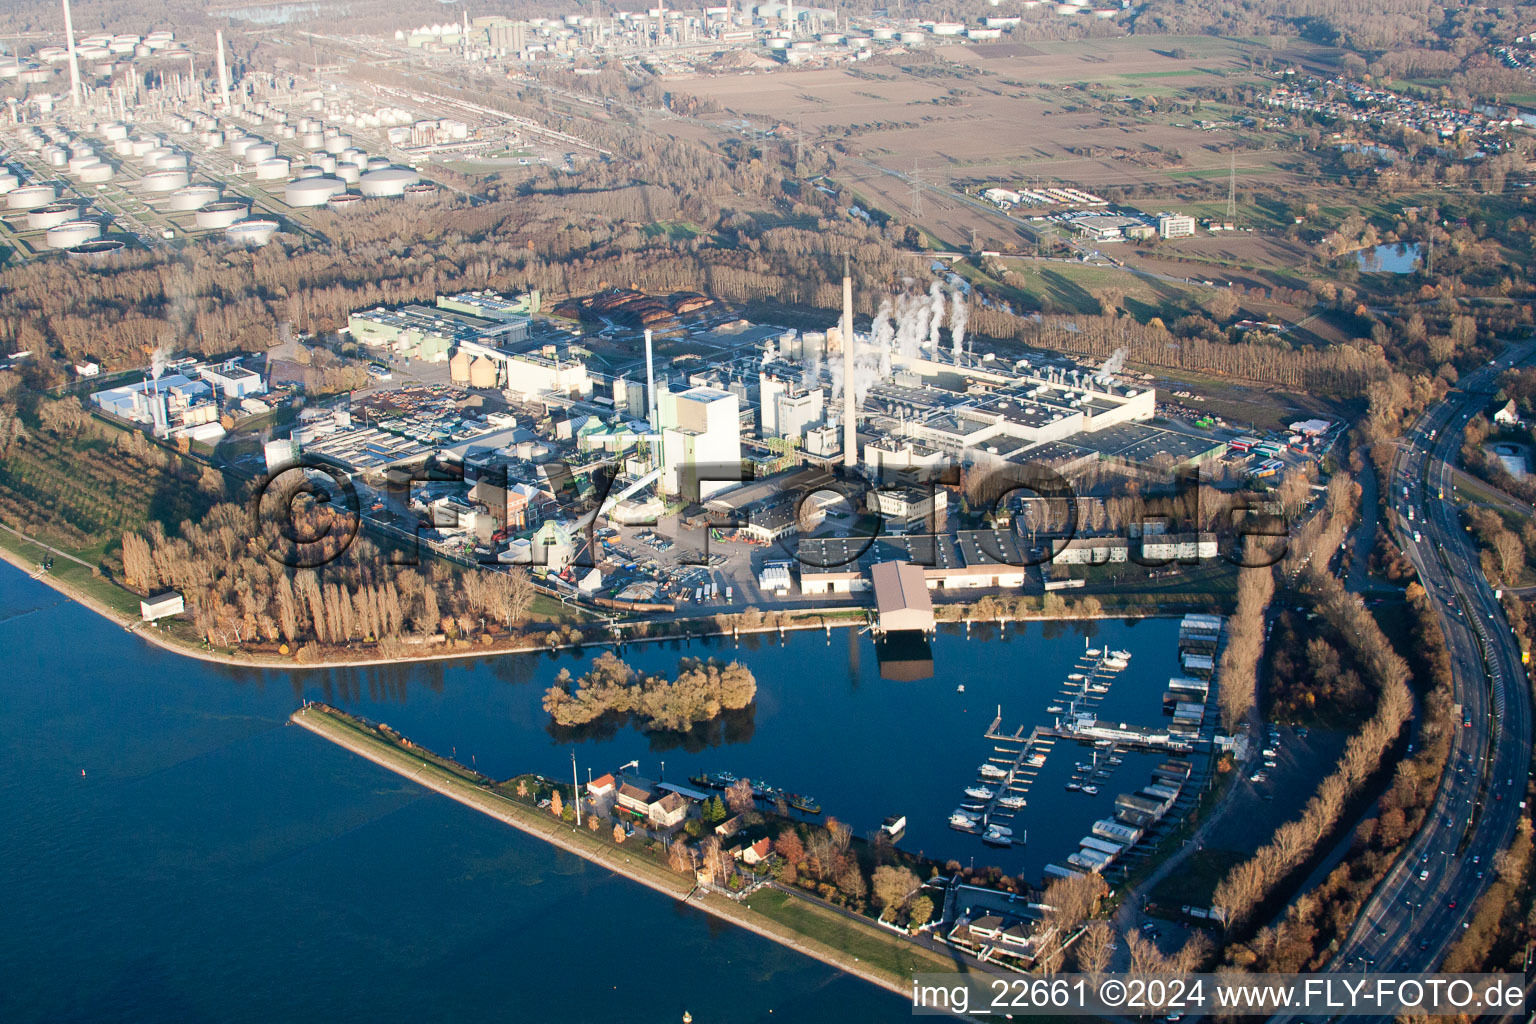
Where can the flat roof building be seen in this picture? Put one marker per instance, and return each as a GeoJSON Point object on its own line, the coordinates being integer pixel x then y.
{"type": "Point", "coordinates": [901, 597]}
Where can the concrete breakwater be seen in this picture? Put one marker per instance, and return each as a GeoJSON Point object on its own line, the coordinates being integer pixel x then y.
{"type": "Point", "coordinates": [368, 743]}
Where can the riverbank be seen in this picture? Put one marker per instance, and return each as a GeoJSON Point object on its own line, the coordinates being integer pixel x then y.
{"type": "Point", "coordinates": [864, 950]}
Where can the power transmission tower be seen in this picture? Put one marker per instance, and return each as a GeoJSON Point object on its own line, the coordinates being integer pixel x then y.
{"type": "Point", "coordinates": [1232, 188]}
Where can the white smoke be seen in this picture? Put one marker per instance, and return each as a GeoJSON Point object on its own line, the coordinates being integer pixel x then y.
{"type": "Point", "coordinates": [936, 319]}
{"type": "Point", "coordinates": [959, 313]}
{"type": "Point", "coordinates": [157, 361]}
{"type": "Point", "coordinates": [1112, 367]}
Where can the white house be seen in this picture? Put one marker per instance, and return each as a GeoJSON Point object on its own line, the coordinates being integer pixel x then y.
{"type": "Point", "coordinates": [161, 605]}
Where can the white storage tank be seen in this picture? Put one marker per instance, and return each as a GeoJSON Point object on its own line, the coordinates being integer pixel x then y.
{"type": "Point", "coordinates": [142, 145]}
{"type": "Point", "coordinates": [349, 173]}
{"type": "Point", "coordinates": [172, 162]}
{"type": "Point", "coordinates": [254, 232]}
{"type": "Point", "coordinates": [165, 181]}
{"type": "Point", "coordinates": [312, 140]}
{"type": "Point", "coordinates": [240, 145]}
{"type": "Point", "coordinates": [113, 131]}
{"type": "Point", "coordinates": [123, 147]}
{"type": "Point", "coordinates": [308, 171]}
{"type": "Point", "coordinates": [312, 191]}
{"type": "Point", "coordinates": [96, 174]}
{"type": "Point", "coordinates": [193, 197]}
{"type": "Point", "coordinates": [55, 156]}
{"type": "Point", "coordinates": [151, 159]}
{"type": "Point", "coordinates": [30, 197]}
{"type": "Point", "coordinates": [80, 161]}
{"type": "Point", "coordinates": [8, 182]}
{"type": "Point", "coordinates": [259, 152]}
{"type": "Point", "coordinates": [221, 214]}
{"type": "Point", "coordinates": [272, 169]}
{"type": "Point", "coordinates": [52, 215]}
{"type": "Point", "coordinates": [72, 233]}
{"type": "Point", "coordinates": [421, 190]}
{"type": "Point", "coordinates": [337, 143]}
{"type": "Point", "coordinates": [389, 181]}
{"type": "Point", "coordinates": [344, 201]}
{"type": "Point", "coordinates": [327, 163]}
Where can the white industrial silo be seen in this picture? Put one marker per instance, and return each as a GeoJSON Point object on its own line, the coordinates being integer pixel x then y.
{"type": "Point", "coordinates": [389, 181]}
{"type": "Point", "coordinates": [8, 182]}
{"type": "Point", "coordinates": [344, 201]}
{"type": "Point", "coordinates": [259, 152]}
{"type": "Point", "coordinates": [52, 215]}
{"type": "Point", "coordinates": [165, 181]}
{"type": "Point", "coordinates": [30, 197]}
{"type": "Point", "coordinates": [312, 191]}
{"type": "Point", "coordinates": [71, 233]}
{"type": "Point", "coordinates": [193, 197]}
{"type": "Point", "coordinates": [95, 174]}
{"type": "Point", "coordinates": [255, 232]}
{"type": "Point", "coordinates": [349, 173]}
{"type": "Point", "coordinates": [221, 214]}
{"type": "Point", "coordinates": [272, 169]}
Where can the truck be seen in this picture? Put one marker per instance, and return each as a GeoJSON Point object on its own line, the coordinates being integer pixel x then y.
{"type": "Point", "coordinates": [1410, 513]}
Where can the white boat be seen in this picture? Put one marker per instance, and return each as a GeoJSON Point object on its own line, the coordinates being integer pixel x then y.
{"type": "Point", "coordinates": [1073, 787]}
{"type": "Point", "coordinates": [960, 688]}
{"type": "Point", "coordinates": [1121, 655]}
{"type": "Point", "coordinates": [1115, 663]}
{"type": "Point", "coordinates": [1093, 652]}
{"type": "Point", "coordinates": [1012, 803]}
{"type": "Point", "coordinates": [1055, 709]}
{"type": "Point", "coordinates": [992, 837]}
{"type": "Point", "coordinates": [1077, 677]}
{"type": "Point", "coordinates": [1002, 830]}
{"type": "Point", "coordinates": [992, 771]}
{"type": "Point", "coordinates": [980, 792]}
{"type": "Point", "coordinates": [963, 824]}
{"type": "Point", "coordinates": [1036, 760]}
{"type": "Point", "coordinates": [894, 826]}
{"type": "Point", "coordinates": [961, 812]}
{"type": "Point", "coordinates": [1091, 790]}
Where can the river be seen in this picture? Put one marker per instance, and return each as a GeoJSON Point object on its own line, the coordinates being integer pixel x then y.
{"type": "Point", "coordinates": [214, 863]}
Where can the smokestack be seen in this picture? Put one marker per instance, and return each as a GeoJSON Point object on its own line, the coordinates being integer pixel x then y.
{"type": "Point", "coordinates": [850, 429]}
{"type": "Point", "coordinates": [223, 70]}
{"type": "Point", "coordinates": [650, 383]}
{"type": "Point", "coordinates": [74, 59]}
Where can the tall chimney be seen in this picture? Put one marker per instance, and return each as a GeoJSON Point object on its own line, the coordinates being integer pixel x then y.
{"type": "Point", "coordinates": [223, 70]}
{"type": "Point", "coordinates": [850, 430]}
{"type": "Point", "coordinates": [74, 59]}
{"type": "Point", "coordinates": [650, 384]}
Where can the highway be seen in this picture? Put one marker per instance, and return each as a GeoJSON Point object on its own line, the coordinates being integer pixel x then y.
{"type": "Point", "coordinates": [1421, 908]}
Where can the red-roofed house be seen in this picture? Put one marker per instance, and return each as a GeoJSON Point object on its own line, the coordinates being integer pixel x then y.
{"type": "Point", "coordinates": [757, 852]}
{"type": "Point", "coordinates": [600, 786]}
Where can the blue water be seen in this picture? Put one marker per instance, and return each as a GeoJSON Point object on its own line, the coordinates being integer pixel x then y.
{"type": "Point", "coordinates": [215, 863]}
{"type": "Point", "coordinates": [1391, 259]}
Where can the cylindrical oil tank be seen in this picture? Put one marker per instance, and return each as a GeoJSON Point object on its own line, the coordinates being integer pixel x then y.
{"type": "Point", "coordinates": [52, 215]}
{"type": "Point", "coordinates": [95, 174]}
{"type": "Point", "coordinates": [327, 163]}
{"type": "Point", "coordinates": [55, 156]}
{"type": "Point", "coordinates": [83, 158]}
{"type": "Point", "coordinates": [308, 171]}
{"type": "Point", "coordinates": [259, 152]}
{"type": "Point", "coordinates": [286, 131]}
{"type": "Point", "coordinates": [420, 190]}
{"type": "Point", "coordinates": [240, 144]}
{"type": "Point", "coordinates": [30, 197]}
{"type": "Point", "coordinates": [312, 140]}
{"type": "Point", "coordinates": [337, 143]}
{"type": "Point", "coordinates": [349, 173]}
{"type": "Point", "coordinates": [482, 373]}
{"type": "Point", "coordinates": [71, 233]}
{"type": "Point", "coordinates": [165, 181]}
{"type": "Point", "coordinates": [8, 182]}
{"type": "Point", "coordinates": [172, 162]}
{"type": "Point", "coordinates": [254, 232]}
{"type": "Point", "coordinates": [272, 169]}
{"type": "Point", "coordinates": [352, 155]}
{"type": "Point", "coordinates": [344, 201]}
{"type": "Point", "coordinates": [89, 53]}
{"type": "Point", "coordinates": [97, 249]}
{"type": "Point", "coordinates": [391, 181]}
{"type": "Point", "coordinates": [221, 214]}
{"type": "Point", "coordinates": [123, 147]}
{"type": "Point", "coordinates": [114, 131]}
{"type": "Point", "coordinates": [312, 191]}
{"type": "Point", "coordinates": [378, 163]}
{"type": "Point", "coordinates": [193, 197]}
{"type": "Point", "coordinates": [142, 145]}
{"type": "Point", "coordinates": [151, 159]}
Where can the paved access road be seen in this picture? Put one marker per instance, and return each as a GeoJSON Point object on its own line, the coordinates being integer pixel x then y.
{"type": "Point", "coordinates": [1422, 906]}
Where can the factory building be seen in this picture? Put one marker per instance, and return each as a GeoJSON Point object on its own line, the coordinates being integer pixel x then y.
{"type": "Point", "coordinates": [786, 408]}
{"type": "Point", "coordinates": [1175, 225]}
{"type": "Point", "coordinates": [699, 427]}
